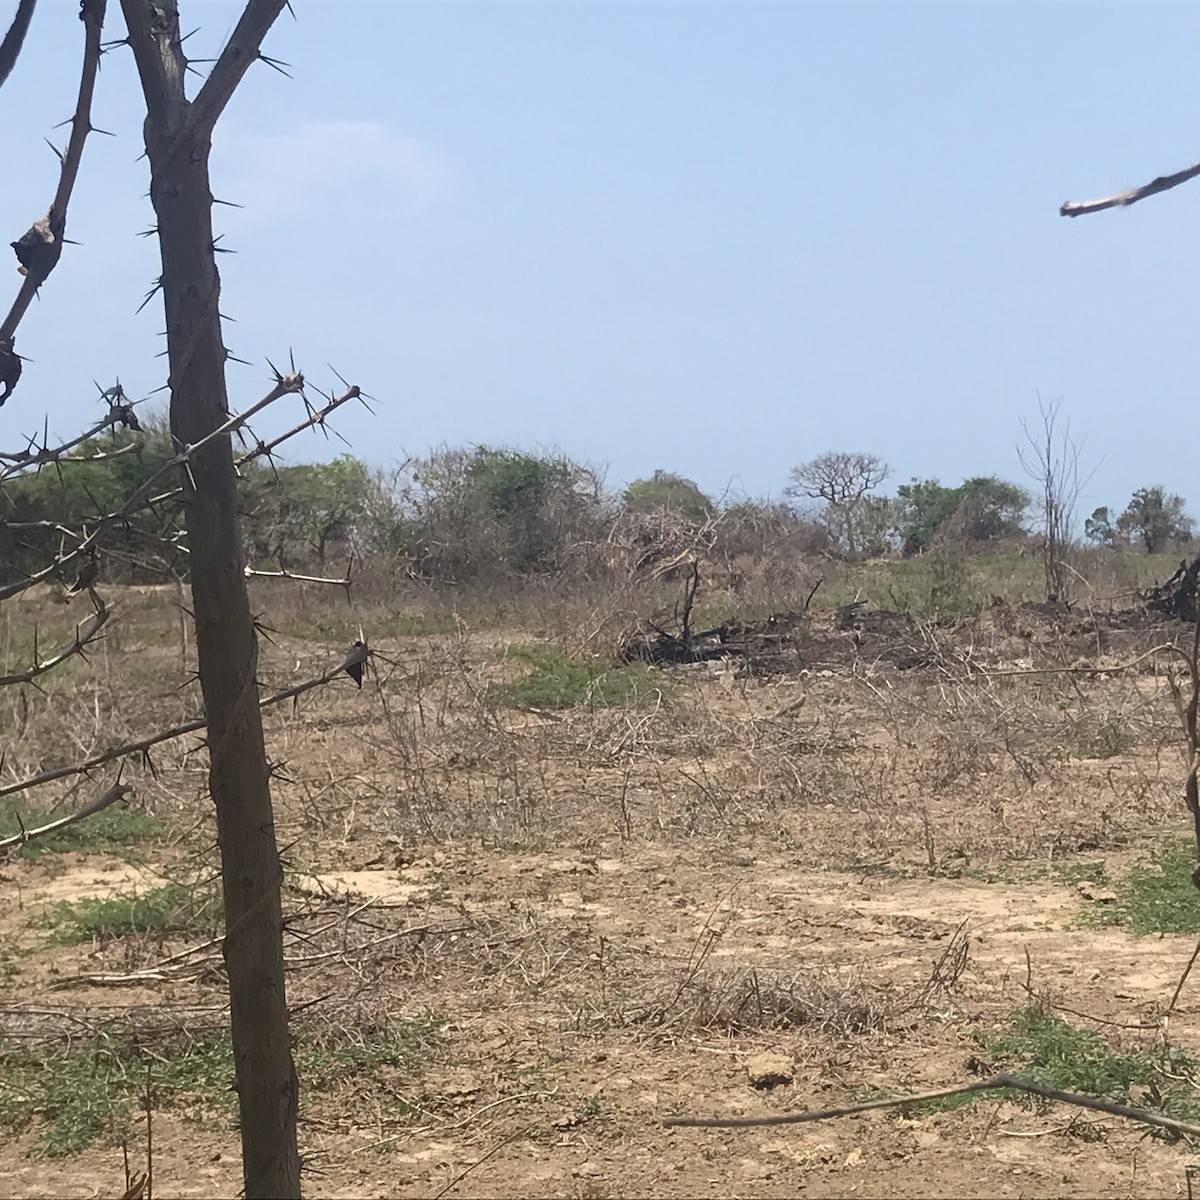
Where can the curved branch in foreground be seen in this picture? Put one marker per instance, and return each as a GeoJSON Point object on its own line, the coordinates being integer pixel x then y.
{"type": "Point", "coordinates": [85, 634]}
{"type": "Point", "coordinates": [996, 1083]}
{"type": "Point", "coordinates": [355, 657]}
{"type": "Point", "coordinates": [1164, 183]}
{"type": "Point", "coordinates": [118, 791]}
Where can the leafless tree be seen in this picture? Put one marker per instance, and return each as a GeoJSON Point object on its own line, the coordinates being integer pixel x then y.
{"type": "Point", "coordinates": [842, 480]}
{"type": "Point", "coordinates": [201, 478]}
{"type": "Point", "coordinates": [1051, 459]}
{"type": "Point", "coordinates": [178, 136]}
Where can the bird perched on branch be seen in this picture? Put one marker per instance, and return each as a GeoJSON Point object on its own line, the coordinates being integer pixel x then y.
{"type": "Point", "coordinates": [355, 661]}
{"type": "Point", "coordinates": [10, 368]}
{"type": "Point", "coordinates": [88, 574]}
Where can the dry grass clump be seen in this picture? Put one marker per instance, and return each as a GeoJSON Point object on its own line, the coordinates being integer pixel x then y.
{"type": "Point", "coordinates": [837, 1002]}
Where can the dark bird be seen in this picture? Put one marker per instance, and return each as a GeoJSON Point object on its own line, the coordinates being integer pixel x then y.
{"type": "Point", "coordinates": [88, 574]}
{"type": "Point", "coordinates": [355, 660]}
{"type": "Point", "coordinates": [10, 368]}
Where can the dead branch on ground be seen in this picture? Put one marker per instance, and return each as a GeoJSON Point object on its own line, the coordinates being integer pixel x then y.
{"type": "Point", "coordinates": [995, 1083]}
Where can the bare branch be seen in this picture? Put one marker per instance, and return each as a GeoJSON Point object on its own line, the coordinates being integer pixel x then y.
{"type": "Point", "coordinates": [240, 53]}
{"type": "Point", "coordinates": [142, 496]}
{"type": "Point", "coordinates": [85, 634]}
{"type": "Point", "coordinates": [38, 250]}
{"type": "Point", "coordinates": [252, 573]}
{"type": "Point", "coordinates": [355, 657]}
{"type": "Point", "coordinates": [120, 412]}
{"type": "Point", "coordinates": [1164, 183]}
{"type": "Point", "coordinates": [118, 791]}
{"type": "Point", "coordinates": [996, 1083]}
{"type": "Point", "coordinates": [14, 39]}
{"type": "Point", "coordinates": [315, 417]}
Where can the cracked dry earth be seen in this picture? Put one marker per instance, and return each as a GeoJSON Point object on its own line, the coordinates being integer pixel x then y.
{"type": "Point", "coordinates": [611, 939]}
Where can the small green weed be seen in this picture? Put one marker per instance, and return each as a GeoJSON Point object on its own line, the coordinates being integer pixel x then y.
{"type": "Point", "coordinates": [79, 1089]}
{"type": "Point", "coordinates": [173, 908]}
{"type": "Point", "coordinates": [113, 829]}
{"type": "Point", "coordinates": [1155, 897]}
{"type": "Point", "coordinates": [556, 681]}
{"type": "Point", "coordinates": [1094, 739]}
{"type": "Point", "coordinates": [1048, 1050]}
{"type": "Point", "coordinates": [326, 1061]}
{"type": "Point", "coordinates": [1085, 872]}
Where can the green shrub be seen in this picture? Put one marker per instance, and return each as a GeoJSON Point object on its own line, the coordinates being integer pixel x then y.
{"type": "Point", "coordinates": [1095, 739]}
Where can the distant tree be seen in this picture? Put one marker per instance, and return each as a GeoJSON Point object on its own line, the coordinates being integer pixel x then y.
{"type": "Point", "coordinates": [296, 512]}
{"type": "Point", "coordinates": [925, 504]}
{"type": "Point", "coordinates": [1051, 459]}
{"type": "Point", "coordinates": [842, 481]}
{"type": "Point", "coordinates": [669, 491]}
{"type": "Point", "coordinates": [878, 525]}
{"type": "Point", "coordinates": [483, 513]}
{"type": "Point", "coordinates": [980, 509]}
{"type": "Point", "coordinates": [1155, 518]}
{"type": "Point", "coordinates": [990, 509]}
{"type": "Point", "coordinates": [1098, 528]}
{"type": "Point", "coordinates": [34, 507]}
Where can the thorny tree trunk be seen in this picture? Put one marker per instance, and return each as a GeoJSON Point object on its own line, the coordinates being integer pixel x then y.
{"type": "Point", "coordinates": [178, 136]}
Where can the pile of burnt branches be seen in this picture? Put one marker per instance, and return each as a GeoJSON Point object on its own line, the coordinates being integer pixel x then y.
{"type": "Point", "coordinates": [1176, 597]}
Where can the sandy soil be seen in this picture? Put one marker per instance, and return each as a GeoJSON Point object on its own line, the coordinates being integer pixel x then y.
{"type": "Point", "coordinates": [613, 912]}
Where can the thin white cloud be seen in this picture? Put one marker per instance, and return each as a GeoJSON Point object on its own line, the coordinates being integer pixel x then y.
{"type": "Point", "coordinates": [290, 173]}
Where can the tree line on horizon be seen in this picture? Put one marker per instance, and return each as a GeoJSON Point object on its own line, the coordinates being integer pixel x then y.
{"type": "Point", "coordinates": [477, 513]}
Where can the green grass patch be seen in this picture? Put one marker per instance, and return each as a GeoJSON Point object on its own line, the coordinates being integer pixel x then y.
{"type": "Point", "coordinates": [77, 1091]}
{"type": "Point", "coordinates": [1084, 872]}
{"type": "Point", "coordinates": [112, 830]}
{"type": "Point", "coordinates": [940, 585]}
{"type": "Point", "coordinates": [1155, 897]}
{"type": "Point", "coordinates": [1050, 1051]}
{"type": "Point", "coordinates": [172, 908]}
{"type": "Point", "coordinates": [556, 681]}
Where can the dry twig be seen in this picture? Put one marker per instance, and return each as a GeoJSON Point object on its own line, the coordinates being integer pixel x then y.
{"type": "Point", "coordinates": [1079, 208]}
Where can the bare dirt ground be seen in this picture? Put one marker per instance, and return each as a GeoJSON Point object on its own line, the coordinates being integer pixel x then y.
{"type": "Point", "coordinates": [862, 863]}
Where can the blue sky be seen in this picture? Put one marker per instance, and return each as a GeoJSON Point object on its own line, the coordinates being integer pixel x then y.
{"type": "Point", "coordinates": [716, 238]}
